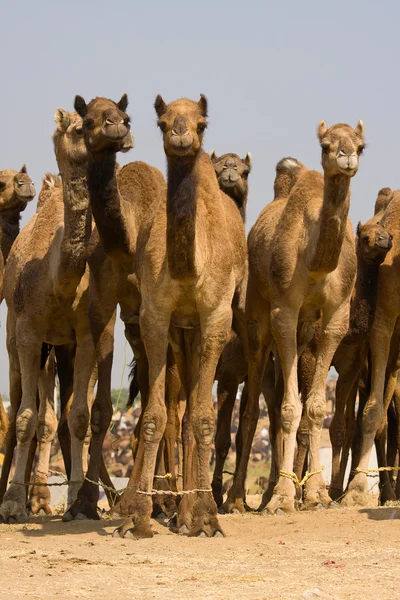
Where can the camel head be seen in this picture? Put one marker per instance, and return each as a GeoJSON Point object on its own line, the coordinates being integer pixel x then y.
{"type": "Point", "coordinates": [182, 123]}
{"type": "Point", "coordinates": [106, 126]}
{"type": "Point", "coordinates": [232, 172]}
{"type": "Point", "coordinates": [69, 145]}
{"type": "Point", "coordinates": [373, 242]}
{"type": "Point", "coordinates": [385, 195]}
{"type": "Point", "coordinates": [341, 148]}
{"type": "Point", "coordinates": [16, 188]}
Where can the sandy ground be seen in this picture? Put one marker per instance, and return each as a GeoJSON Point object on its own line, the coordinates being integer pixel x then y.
{"type": "Point", "coordinates": [340, 554]}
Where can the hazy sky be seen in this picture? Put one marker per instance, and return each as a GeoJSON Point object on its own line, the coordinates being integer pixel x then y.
{"type": "Point", "coordinates": [270, 70]}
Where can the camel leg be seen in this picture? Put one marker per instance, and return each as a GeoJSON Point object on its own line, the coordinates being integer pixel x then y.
{"type": "Point", "coordinates": [215, 330]}
{"type": "Point", "coordinates": [226, 392]}
{"type": "Point", "coordinates": [172, 430]}
{"type": "Point", "coordinates": [396, 401]}
{"type": "Point", "coordinates": [273, 396]}
{"type": "Point", "coordinates": [4, 423]}
{"type": "Point", "coordinates": [13, 508]}
{"type": "Point", "coordinates": [154, 326]}
{"type": "Point", "coordinates": [15, 402]}
{"type": "Point", "coordinates": [65, 356]}
{"type": "Point", "coordinates": [334, 326]}
{"type": "Point", "coordinates": [260, 344]}
{"type": "Point", "coordinates": [102, 323]}
{"type": "Point", "coordinates": [85, 374]}
{"type": "Point", "coordinates": [47, 427]}
{"type": "Point", "coordinates": [373, 413]}
{"type": "Point", "coordinates": [350, 429]}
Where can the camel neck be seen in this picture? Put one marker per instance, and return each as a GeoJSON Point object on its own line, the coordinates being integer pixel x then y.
{"type": "Point", "coordinates": [10, 226]}
{"type": "Point", "coordinates": [362, 310]}
{"type": "Point", "coordinates": [239, 199]}
{"type": "Point", "coordinates": [108, 206]}
{"type": "Point", "coordinates": [181, 216]}
{"type": "Point", "coordinates": [77, 230]}
{"type": "Point", "coordinates": [335, 208]}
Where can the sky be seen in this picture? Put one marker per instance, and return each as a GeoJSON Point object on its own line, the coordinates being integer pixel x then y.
{"type": "Point", "coordinates": [271, 72]}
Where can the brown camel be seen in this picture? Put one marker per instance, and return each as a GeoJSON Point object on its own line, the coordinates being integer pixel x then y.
{"type": "Point", "coordinates": [16, 190]}
{"type": "Point", "coordinates": [232, 173]}
{"type": "Point", "coordinates": [190, 262]}
{"type": "Point", "coordinates": [384, 342]}
{"type": "Point", "coordinates": [302, 264]}
{"type": "Point", "coordinates": [121, 200]}
{"type": "Point", "coordinates": [50, 255]}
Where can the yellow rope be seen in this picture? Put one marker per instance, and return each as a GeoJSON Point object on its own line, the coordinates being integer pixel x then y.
{"type": "Point", "coordinates": [375, 471]}
{"type": "Point", "coordinates": [293, 477]}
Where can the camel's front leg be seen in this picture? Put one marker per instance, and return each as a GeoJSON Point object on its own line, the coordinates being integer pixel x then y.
{"type": "Point", "coordinates": [380, 337]}
{"type": "Point", "coordinates": [284, 327]}
{"type": "Point", "coordinates": [215, 329]}
{"type": "Point", "coordinates": [334, 326]}
{"type": "Point", "coordinates": [13, 508]}
{"type": "Point", "coordinates": [137, 504]}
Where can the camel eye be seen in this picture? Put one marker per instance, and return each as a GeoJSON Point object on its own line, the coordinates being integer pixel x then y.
{"type": "Point", "coordinates": [325, 147]}
{"type": "Point", "coordinates": [162, 125]}
{"type": "Point", "coordinates": [88, 123]}
{"type": "Point", "coordinates": [201, 127]}
{"type": "Point", "coordinates": [245, 175]}
{"type": "Point", "coordinates": [79, 130]}
{"type": "Point", "coordinates": [365, 238]}
{"type": "Point", "coordinates": [361, 149]}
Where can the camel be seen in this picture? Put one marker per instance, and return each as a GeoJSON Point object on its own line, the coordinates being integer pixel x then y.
{"type": "Point", "coordinates": [302, 264]}
{"type": "Point", "coordinates": [120, 200]}
{"type": "Point", "coordinates": [50, 255]}
{"type": "Point", "coordinates": [16, 190]}
{"type": "Point", "coordinates": [383, 344]}
{"type": "Point", "coordinates": [232, 173]}
{"type": "Point", "coordinates": [190, 264]}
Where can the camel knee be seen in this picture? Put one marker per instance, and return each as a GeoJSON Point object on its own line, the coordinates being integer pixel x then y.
{"type": "Point", "coordinates": [290, 415]}
{"type": "Point", "coordinates": [316, 408]}
{"type": "Point", "coordinates": [47, 427]}
{"type": "Point", "coordinates": [372, 417]}
{"type": "Point", "coordinates": [203, 428]}
{"type": "Point", "coordinates": [78, 422]}
{"type": "Point", "coordinates": [100, 417]}
{"type": "Point", "coordinates": [26, 425]}
{"type": "Point", "coordinates": [153, 424]}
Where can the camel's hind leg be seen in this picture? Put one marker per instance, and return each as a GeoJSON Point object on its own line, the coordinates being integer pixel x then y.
{"type": "Point", "coordinates": [65, 356]}
{"type": "Point", "coordinates": [13, 508]}
{"type": "Point", "coordinates": [47, 427]}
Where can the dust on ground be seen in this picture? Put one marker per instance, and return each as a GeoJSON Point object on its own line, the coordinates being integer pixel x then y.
{"type": "Point", "coordinates": [343, 554]}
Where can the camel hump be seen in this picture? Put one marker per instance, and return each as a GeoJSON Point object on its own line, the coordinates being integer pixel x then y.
{"type": "Point", "coordinates": [288, 172]}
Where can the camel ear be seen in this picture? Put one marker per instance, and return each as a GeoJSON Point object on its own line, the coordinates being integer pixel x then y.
{"type": "Point", "coordinates": [80, 106]}
{"type": "Point", "coordinates": [160, 106]}
{"type": "Point", "coordinates": [248, 160]}
{"type": "Point", "coordinates": [360, 129]}
{"type": "Point", "coordinates": [213, 156]}
{"type": "Point", "coordinates": [23, 169]}
{"type": "Point", "coordinates": [359, 225]}
{"type": "Point", "coordinates": [203, 105]}
{"type": "Point", "coordinates": [62, 118]}
{"type": "Point", "coordinates": [322, 129]}
{"type": "Point", "coordinates": [123, 103]}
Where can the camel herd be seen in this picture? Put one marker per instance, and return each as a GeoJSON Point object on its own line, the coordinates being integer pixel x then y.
{"type": "Point", "coordinates": [199, 304]}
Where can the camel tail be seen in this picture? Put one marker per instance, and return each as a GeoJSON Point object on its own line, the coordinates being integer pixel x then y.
{"type": "Point", "coordinates": [288, 172]}
{"type": "Point", "coordinates": [46, 349]}
{"type": "Point", "coordinates": [134, 384]}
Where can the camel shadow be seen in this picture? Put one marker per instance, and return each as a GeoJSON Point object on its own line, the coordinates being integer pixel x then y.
{"type": "Point", "coordinates": [383, 513]}
{"type": "Point", "coordinates": [54, 526]}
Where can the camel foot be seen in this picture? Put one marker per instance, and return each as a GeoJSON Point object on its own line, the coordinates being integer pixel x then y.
{"type": "Point", "coordinates": [282, 498]}
{"type": "Point", "coordinates": [39, 498]}
{"type": "Point", "coordinates": [316, 496]}
{"type": "Point", "coordinates": [235, 506]}
{"type": "Point", "coordinates": [387, 494]}
{"type": "Point", "coordinates": [335, 493]}
{"type": "Point", "coordinates": [357, 494]}
{"type": "Point", "coordinates": [205, 518]}
{"type": "Point", "coordinates": [13, 509]}
{"type": "Point", "coordinates": [135, 531]}
{"type": "Point", "coordinates": [82, 509]}
{"type": "Point", "coordinates": [183, 530]}
{"type": "Point", "coordinates": [267, 496]}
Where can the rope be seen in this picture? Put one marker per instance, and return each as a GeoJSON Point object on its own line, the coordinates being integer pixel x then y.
{"type": "Point", "coordinates": [293, 477]}
{"type": "Point", "coordinates": [374, 472]}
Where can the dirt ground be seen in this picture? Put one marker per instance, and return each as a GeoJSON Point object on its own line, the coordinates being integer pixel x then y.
{"type": "Point", "coordinates": [345, 554]}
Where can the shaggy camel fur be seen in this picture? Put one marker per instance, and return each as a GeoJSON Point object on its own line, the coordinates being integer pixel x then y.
{"type": "Point", "coordinates": [120, 200]}
{"type": "Point", "coordinates": [383, 344]}
{"type": "Point", "coordinates": [190, 263]}
{"type": "Point", "coordinates": [302, 264]}
{"type": "Point", "coordinates": [50, 255]}
{"type": "Point", "coordinates": [232, 173]}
